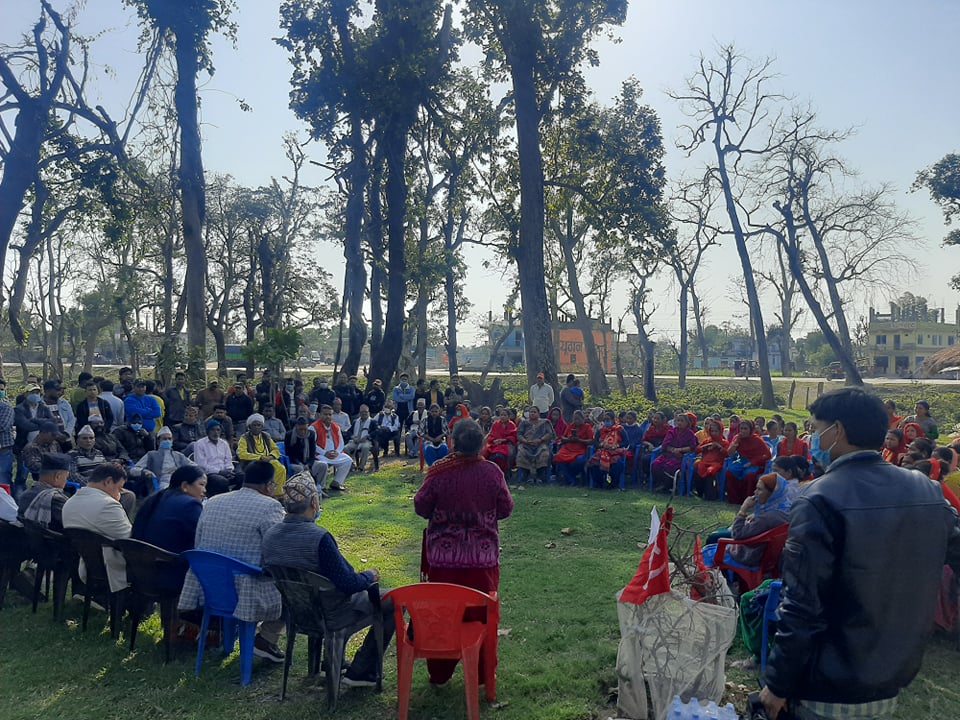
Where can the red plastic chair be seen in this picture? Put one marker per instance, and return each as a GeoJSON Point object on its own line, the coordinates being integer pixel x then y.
{"type": "Point", "coordinates": [769, 566]}
{"type": "Point", "coordinates": [436, 611]}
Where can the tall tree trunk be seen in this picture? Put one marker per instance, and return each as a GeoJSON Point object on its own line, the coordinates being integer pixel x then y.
{"type": "Point", "coordinates": [192, 197]}
{"type": "Point", "coordinates": [568, 237]}
{"type": "Point", "coordinates": [767, 399]}
{"type": "Point", "coordinates": [796, 266]}
{"type": "Point", "coordinates": [450, 245]}
{"type": "Point", "coordinates": [684, 339]}
{"type": "Point", "coordinates": [423, 296]}
{"type": "Point", "coordinates": [355, 271]}
{"type": "Point", "coordinates": [701, 335]}
{"type": "Point", "coordinates": [836, 302]}
{"type": "Point", "coordinates": [647, 348]}
{"type": "Point", "coordinates": [537, 334]}
{"type": "Point", "coordinates": [383, 361]}
{"type": "Point", "coordinates": [377, 250]}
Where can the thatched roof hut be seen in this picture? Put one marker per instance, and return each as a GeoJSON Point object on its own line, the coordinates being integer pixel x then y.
{"type": "Point", "coordinates": [938, 362]}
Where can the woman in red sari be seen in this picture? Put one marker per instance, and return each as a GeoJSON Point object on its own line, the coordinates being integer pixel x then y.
{"type": "Point", "coordinates": [894, 447]}
{"type": "Point", "coordinates": [463, 497]}
{"type": "Point", "coordinates": [751, 454]}
{"type": "Point", "coordinates": [791, 444]}
{"type": "Point", "coordinates": [713, 455]}
{"type": "Point", "coordinates": [501, 445]}
{"type": "Point", "coordinates": [571, 458]}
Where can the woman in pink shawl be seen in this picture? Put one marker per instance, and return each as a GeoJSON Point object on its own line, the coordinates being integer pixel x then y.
{"type": "Point", "coordinates": [679, 441]}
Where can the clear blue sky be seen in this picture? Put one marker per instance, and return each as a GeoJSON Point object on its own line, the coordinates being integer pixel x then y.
{"type": "Point", "coordinates": [887, 67]}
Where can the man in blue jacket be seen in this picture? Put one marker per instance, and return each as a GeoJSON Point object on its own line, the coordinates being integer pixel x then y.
{"type": "Point", "coordinates": [146, 406]}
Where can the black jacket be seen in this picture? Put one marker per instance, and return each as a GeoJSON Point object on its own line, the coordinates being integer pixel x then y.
{"type": "Point", "coordinates": [82, 412]}
{"type": "Point", "coordinates": [861, 575]}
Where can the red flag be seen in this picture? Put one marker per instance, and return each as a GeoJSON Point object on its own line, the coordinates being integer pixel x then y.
{"type": "Point", "coordinates": [653, 575]}
{"type": "Point", "coordinates": [698, 556]}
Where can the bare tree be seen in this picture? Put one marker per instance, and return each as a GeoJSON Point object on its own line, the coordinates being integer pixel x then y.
{"type": "Point", "coordinates": [730, 105]}
{"type": "Point", "coordinates": [833, 240]}
{"type": "Point", "coordinates": [693, 208]}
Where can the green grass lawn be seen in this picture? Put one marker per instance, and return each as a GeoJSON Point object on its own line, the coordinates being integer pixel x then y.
{"type": "Point", "coordinates": [556, 663]}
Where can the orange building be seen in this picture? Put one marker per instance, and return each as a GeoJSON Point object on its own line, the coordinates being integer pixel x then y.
{"type": "Point", "coordinates": [567, 343]}
{"type": "Point", "coordinates": [571, 349]}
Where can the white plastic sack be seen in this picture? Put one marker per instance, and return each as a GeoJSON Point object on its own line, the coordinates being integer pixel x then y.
{"type": "Point", "coordinates": [671, 645]}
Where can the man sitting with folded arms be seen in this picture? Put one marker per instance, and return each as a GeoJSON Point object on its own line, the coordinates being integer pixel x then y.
{"type": "Point", "coordinates": [43, 502]}
{"type": "Point", "coordinates": [212, 454]}
{"type": "Point", "coordinates": [298, 542]}
{"type": "Point", "coordinates": [361, 438]}
{"type": "Point", "coordinates": [234, 524]}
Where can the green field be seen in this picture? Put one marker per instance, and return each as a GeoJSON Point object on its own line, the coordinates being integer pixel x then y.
{"type": "Point", "coordinates": [556, 662]}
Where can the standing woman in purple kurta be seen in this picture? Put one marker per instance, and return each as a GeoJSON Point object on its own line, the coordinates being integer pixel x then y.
{"type": "Point", "coordinates": [463, 498]}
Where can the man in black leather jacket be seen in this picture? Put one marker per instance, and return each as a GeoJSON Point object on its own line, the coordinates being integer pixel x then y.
{"type": "Point", "coordinates": [861, 571]}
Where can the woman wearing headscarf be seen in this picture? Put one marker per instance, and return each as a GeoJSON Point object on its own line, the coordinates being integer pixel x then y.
{"type": "Point", "coordinates": [911, 431]}
{"type": "Point", "coordinates": [768, 507]}
{"type": "Point", "coordinates": [713, 455]}
{"type": "Point", "coordinates": [679, 441]}
{"type": "Point", "coordinates": [534, 436]}
{"type": "Point", "coordinates": [555, 416]}
{"type": "Point", "coordinates": [922, 418]}
{"type": "Point", "coordinates": [463, 497]}
{"type": "Point", "coordinates": [572, 455]}
{"type": "Point", "coordinates": [605, 466]}
{"type": "Point", "coordinates": [734, 429]}
{"type": "Point", "coordinates": [501, 443]}
{"type": "Point", "coordinates": [791, 444]}
{"type": "Point", "coordinates": [894, 447]}
{"type": "Point", "coordinates": [750, 453]}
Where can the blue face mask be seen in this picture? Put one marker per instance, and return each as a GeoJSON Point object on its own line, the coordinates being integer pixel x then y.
{"type": "Point", "coordinates": [137, 426]}
{"type": "Point", "coordinates": [821, 455]}
{"type": "Point", "coordinates": [289, 388]}
{"type": "Point", "coordinates": [166, 444]}
{"type": "Point", "coordinates": [319, 513]}
{"type": "Point", "coordinates": [608, 423]}
{"type": "Point", "coordinates": [33, 399]}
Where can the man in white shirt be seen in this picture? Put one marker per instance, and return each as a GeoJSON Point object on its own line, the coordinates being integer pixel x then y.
{"type": "Point", "coordinates": [116, 404]}
{"type": "Point", "coordinates": [213, 455]}
{"type": "Point", "coordinates": [541, 395]}
{"type": "Point", "coordinates": [388, 428]}
{"type": "Point", "coordinates": [330, 448]}
{"type": "Point", "coordinates": [415, 421]}
{"type": "Point", "coordinates": [361, 437]}
{"type": "Point", "coordinates": [342, 419]}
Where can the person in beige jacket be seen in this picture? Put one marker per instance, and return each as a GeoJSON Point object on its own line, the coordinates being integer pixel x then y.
{"type": "Point", "coordinates": [97, 507]}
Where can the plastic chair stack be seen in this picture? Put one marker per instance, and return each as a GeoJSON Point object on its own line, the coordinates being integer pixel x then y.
{"type": "Point", "coordinates": [315, 608]}
{"type": "Point", "coordinates": [216, 574]}
{"type": "Point", "coordinates": [436, 612]}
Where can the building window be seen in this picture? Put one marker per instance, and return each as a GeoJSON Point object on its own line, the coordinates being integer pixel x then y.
{"type": "Point", "coordinates": [919, 361]}
{"type": "Point", "coordinates": [919, 339]}
{"type": "Point", "coordinates": [881, 339]}
{"type": "Point", "coordinates": [573, 359]}
{"type": "Point", "coordinates": [950, 340]}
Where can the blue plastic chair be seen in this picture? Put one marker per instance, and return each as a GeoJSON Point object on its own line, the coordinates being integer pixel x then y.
{"type": "Point", "coordinates": [769, 614]}
{"type": "Point", "coordinates": [685, 482]}
{"type": "Point", "coordinates": [217, 574]}
{"type": "Point", "coordinates": [653, 456]}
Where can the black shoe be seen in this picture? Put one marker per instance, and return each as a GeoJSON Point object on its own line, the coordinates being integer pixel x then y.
{"type": "Point", "coordinates": [267, 650]}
